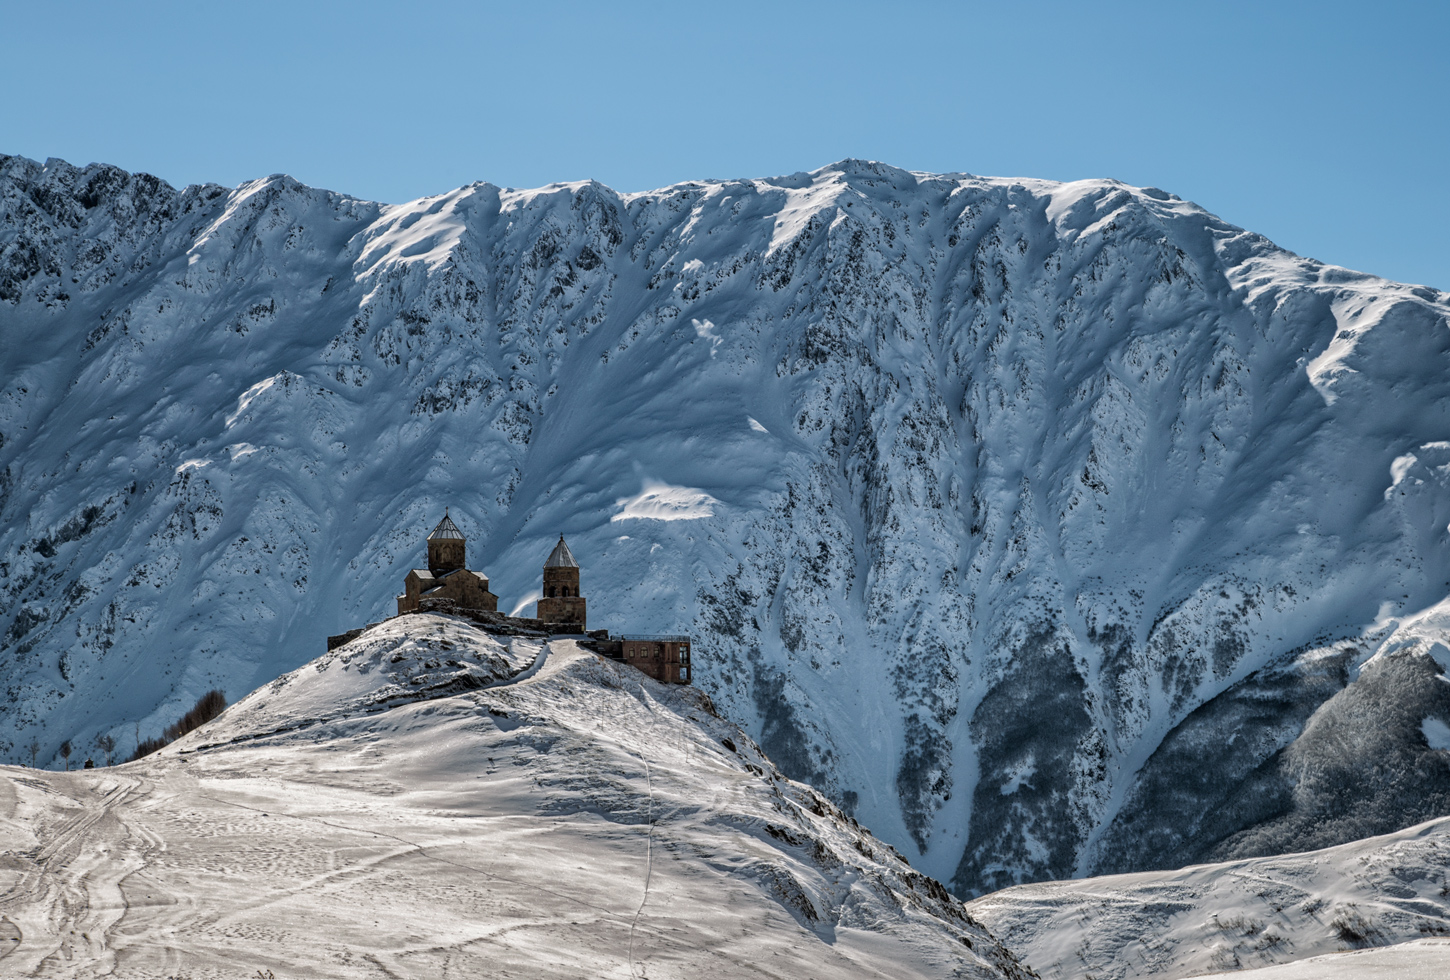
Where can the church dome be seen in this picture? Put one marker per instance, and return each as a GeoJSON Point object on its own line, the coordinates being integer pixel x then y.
{"type": "Point", "coordinates": [561, 556]}
{"type": "Point", "coordinates": [448, 531]}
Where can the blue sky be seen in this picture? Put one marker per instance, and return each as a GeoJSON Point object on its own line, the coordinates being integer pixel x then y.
{"type": "Point", "coordinates": [1325, 126]}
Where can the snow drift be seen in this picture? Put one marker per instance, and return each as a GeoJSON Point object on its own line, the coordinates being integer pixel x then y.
{"type": "Point", "coordinates": [1022, 518]}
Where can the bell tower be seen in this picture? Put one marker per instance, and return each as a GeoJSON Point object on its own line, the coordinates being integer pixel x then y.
{"type": "Point", "coordinates": [445, 547]}
{"type": "Point", "coordinates": [562, 602]}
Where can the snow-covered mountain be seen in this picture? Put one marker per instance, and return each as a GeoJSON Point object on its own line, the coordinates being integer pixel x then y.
{"type": "Point", "coordinates": [430, 801]}
{"type": "Point", "coordinates": [1041, 525]}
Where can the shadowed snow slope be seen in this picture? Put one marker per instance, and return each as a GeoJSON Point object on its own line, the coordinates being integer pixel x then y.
{"type": "Point", "coordinates": [1378, 892]}
{"type": "Point", "coordinates": [564, 816]}
{"type": "Point", "coordinates": [1031, 521]}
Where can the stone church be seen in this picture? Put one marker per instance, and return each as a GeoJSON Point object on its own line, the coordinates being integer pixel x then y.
{"type": "Point", "coordinates": [561, 602]}
{"type": "Point", "coordinates": [447, 576]}
{"type": "Point", "coordinates": [447, 585]}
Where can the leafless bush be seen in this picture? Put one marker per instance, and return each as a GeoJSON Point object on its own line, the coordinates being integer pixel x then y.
{"type": "Point", "coordinates": [107, 745]}
{"type": "Point", "coordinates": [207, 707]}
{"type": "Point", "coordinates": [147, 746]}
{"type": "Point", "coordinates": [1354, 929]}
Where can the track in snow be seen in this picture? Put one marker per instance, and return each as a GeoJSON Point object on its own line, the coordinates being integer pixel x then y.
{"type": "Point", "coordinates": [490, 832]}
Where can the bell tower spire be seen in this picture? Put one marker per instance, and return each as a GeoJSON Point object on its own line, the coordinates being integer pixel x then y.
{"type": "Point", "coordinates": [561, 602]}
{"type": "Point", "coordinates": [446, 547]}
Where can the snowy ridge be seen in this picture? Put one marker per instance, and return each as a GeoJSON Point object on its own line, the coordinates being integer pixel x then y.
{"type": "Point", "coordinates": [1022, 518]}
{"type": "Point", "coordinates": [1389, 894]}
{"type": "Point", "coordinates": [357, 816]}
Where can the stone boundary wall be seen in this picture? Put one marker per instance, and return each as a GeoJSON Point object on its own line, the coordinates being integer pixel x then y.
{"type": "Point", "coordinates": [490, 622]}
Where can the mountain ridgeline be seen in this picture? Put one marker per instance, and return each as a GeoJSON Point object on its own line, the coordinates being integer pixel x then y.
{"type": "Point", "coordinates": [1050, 528]}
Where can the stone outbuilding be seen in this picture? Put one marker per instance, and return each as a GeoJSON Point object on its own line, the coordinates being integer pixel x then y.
{"type": "Point", "coordinates": [447, 576]}
{"type": "Point", "coordinates": [561, 602]}
{"type": "Point", "coordinates": [665, 658]}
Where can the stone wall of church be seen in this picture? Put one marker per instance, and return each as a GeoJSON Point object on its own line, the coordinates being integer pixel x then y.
{"type": "Point", "coordinates": [469, 590]}
{"type": "Point", "coordinates": [445, 554]}
{"type": "Point", "coordinates": [564, 609]}
{"type": "Point", "coordinates": [561, 581]}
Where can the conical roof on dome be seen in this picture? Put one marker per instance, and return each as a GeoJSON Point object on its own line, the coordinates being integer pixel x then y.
{"type": "Point", "coordinates": [561, 556]}
{"type": "Point", "coordinates": [446, 529]}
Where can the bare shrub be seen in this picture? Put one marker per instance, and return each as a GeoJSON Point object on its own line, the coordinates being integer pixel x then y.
{"type": "Point", "coordinates": [207, 707]}
{"type": "Point", "coordinates": [107, 745]}
{"type": "Point", "coordinates": [1354, 930]}
{"type": "Point", "coordinates": [146, 747]}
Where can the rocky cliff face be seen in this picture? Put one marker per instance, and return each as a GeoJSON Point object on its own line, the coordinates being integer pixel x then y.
{"type": "Point", "coordinates": [1029, 520]}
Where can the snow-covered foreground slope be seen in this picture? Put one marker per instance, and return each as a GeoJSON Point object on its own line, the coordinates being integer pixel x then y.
{"type": "Point", "coordinates": [1288, 912]}
{"type": "Point", "coordinates": [1421, 959]}
{"type": "Point", "coordinates": [426, 802]}
{"type": "Point", "coordinates": [1031, 521]}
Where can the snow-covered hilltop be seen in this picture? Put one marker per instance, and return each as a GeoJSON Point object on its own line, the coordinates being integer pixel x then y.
{"type": "Point", "coordinates": [432, 801]}
{"type": "Point", "coordinates": [1033, 522]}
